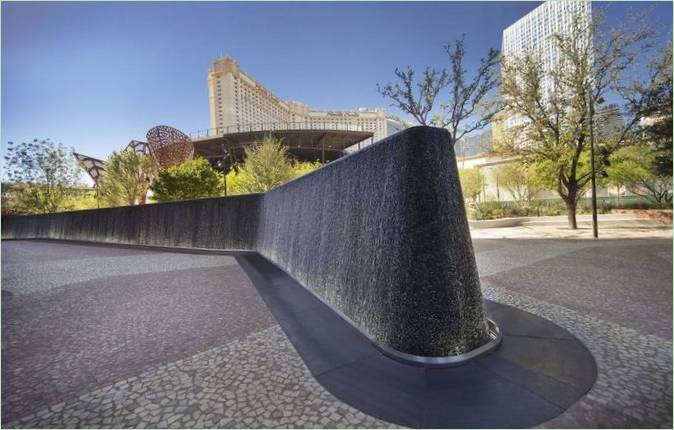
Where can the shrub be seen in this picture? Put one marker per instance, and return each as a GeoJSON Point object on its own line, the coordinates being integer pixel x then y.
{"type": "Point", "coordinates": [266, 167]}
{"type": "Point", "coordinates": [126, 178]}
{"type": "Point", "coordinates": [193, 179]}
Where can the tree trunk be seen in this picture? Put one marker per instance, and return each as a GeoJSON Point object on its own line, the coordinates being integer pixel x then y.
{"type": "Point", "coordinates": [571, 212]}
{"type": "Point", "coordinates": [569, 198]}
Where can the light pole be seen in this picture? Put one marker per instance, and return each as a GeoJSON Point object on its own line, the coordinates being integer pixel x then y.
{"type": "Point", "coordinates": [593, 176]}
{"type": "Point", "coordinates": [224, 166]}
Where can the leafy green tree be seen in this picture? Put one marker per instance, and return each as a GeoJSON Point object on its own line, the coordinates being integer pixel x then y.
{"type": "Point", "coordinates": [126, 179]}
{"type": "Point", "coordinates": [472, 183]}
{"type": "Point", "coordinates": [193, 179]}
{"type": "Point", "coordinates": [556, 119]}
{"type": "Point", "coordinates": [520, 180]}
{"type": "Point", "coordinates": [45, 176]}
{"type": "Point", "coordinates": [239, 180]}
{"type": "Point", "coordinates": [658, 127]}
{"type": "Point", "coordinates": [266, 166]}
{"type": "Point", "coordinates": [634, 168]}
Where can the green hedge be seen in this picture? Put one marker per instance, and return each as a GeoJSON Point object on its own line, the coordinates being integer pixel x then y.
{"type": "Point", "coordinates": [552, 207]}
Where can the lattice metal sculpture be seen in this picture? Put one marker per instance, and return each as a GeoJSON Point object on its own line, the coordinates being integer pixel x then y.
{"type": "Point", "coordinates": [168, 146]}
{"type": "Point", "coordinates": [93, 166]}
{"type": "Point", "coordinates": [139, 147]}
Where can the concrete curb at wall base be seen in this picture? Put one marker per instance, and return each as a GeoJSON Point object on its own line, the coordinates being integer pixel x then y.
{"type": "Point", "coordinates": [583, 220]}
{"type": "Point", "coordinates": [497, 223]}
{"type": "Point", "coordinates": [380, 235]}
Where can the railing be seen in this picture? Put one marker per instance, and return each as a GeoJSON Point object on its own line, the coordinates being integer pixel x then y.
{"type": "Point", "coordinates": [273, 126]}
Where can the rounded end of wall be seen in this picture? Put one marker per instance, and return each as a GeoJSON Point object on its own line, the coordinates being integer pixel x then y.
{"type": "Point", "coordinates": [425, 131]}
{"type": "Point", "coordinates": [495, 338]}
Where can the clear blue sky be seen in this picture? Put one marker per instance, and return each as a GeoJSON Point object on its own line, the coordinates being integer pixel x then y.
{"type": "Point", "coordinates": [96, 75]}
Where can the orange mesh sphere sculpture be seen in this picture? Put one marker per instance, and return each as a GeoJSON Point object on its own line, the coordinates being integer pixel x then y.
{"type": "Point", "coordinates": [168, 146]}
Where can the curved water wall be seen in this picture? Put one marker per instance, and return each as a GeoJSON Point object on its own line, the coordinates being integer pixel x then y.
{"type": "Point", "coordinates": [380, 235]}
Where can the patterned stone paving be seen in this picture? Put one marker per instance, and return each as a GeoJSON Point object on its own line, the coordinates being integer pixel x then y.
{"type": "Point", "coordinates": [606, 281]}
{"type": "Point", "coordinates": [45, 275]}
{"type": "Point", "coordinates": [79, 337]}
{"type": "Point", "coordinates": [257, 381]}
{"type": "Point", "coordinates": [145, 339]}
{"type": "Point", "coordinates": [620, 308]}
{"type": "Point", "coordinates": [242, 371]}
{"type": "Point", "coordinates": [634, 382]}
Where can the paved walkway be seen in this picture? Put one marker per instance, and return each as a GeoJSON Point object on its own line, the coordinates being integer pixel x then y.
{"type": "Point", "coordinates": [557, 228]}
{"type": "Point", "coordinates": [111, 337]}
{"type": "Point", "coordinates": [98, 336]}
{"type": "Point", "coordinates": [616, 297]}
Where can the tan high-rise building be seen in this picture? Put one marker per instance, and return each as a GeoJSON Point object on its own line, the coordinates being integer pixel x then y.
{"type": "Point", "coordinates": [240, 103]}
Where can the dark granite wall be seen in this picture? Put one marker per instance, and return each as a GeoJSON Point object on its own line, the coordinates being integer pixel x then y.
{"type": "Point", "coordinates": [221, 223]}
{"type": "Point", "coordinates": [380, 235]}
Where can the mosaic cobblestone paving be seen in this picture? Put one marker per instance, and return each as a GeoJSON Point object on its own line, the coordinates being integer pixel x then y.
{"type": "Point", "coordinates": [80, 337]}
{"type": "Point", "coordinates": [242, 372]}
{"type": "Point", "coordinates": [41, 276]}
{"type": "Point", "coordinates": [145, 339]}
{"type": "Point", "coordinates": [580, 280]}
{"type": "Point", "coordinates": [257, 381]}
{"type": "Point", "coordinates": [634, 382]}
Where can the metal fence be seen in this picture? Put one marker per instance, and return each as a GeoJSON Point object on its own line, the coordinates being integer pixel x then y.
{"type": "Point", "coordinates": [273, 126]}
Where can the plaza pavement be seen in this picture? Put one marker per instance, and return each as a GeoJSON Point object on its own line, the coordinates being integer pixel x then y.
{"type": "Point", "coordinates": [610, 226]}
{"type": "Point", "coordinates": [101, 336]}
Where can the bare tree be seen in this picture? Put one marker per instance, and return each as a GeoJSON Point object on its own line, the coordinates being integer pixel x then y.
{"type": "Point", "coordinates": [467, 96]}
{"type": "Point", "coordinates": [416, 100]}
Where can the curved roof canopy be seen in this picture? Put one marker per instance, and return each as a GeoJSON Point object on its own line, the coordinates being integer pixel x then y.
{"type": "Point", "coordinates": [305, 145]}
{"type": "Point", "coordinates": [168, 146]}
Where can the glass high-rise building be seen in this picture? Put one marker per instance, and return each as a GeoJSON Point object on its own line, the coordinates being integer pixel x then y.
{"type": "Point", "coordinates": [534, 33]}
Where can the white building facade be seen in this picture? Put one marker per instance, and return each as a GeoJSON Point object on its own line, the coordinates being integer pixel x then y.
{"type": "Point", "coordinates": [240, 103]}
{"type": "Point", "coordinates": [534, 33]}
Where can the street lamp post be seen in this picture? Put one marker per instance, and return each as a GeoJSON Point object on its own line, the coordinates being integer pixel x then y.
{"type": "Point", "coordinates": [593, 176]}
{"type": "Point", "coordinates": [224, 166]}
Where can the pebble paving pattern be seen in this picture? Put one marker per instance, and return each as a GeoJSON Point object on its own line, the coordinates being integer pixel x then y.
{"type": "Point", "coordinates": [80, 337]}
{"type": "Point", "coordinates": [251, 377]}
{"type": "Point", "coordinates": [254, 382]}
{"type": "Point", "coordinates": [168, 343]}
{"type": "Point", "coordinates": [634, 382]}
